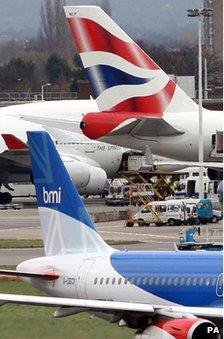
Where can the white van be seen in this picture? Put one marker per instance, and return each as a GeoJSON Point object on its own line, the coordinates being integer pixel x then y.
{"type": "Point", "coordinates": [172, 212]}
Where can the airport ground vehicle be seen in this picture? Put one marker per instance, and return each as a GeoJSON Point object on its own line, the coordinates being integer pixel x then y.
{"type": "Point", "coordinates": [11, 206]}
{"type": "Point", "coordinates": [189, 243]}
{"type": "Point", "coordinates": [129, 194]}
{"type": "Point", "coordinates": [172, 212]}
{"type": "Point", "coordinates": [176, 212]}
{"type": "Point", "coordinates": [159, 293]}
{"type": "Point", "coordinates": [205, 212]}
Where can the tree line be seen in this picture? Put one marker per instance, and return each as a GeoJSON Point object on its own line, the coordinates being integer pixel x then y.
{"type": "Point", "coordinates": [51, 57]}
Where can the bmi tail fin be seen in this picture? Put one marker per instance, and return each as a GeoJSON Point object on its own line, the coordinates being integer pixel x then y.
{"type": "Point", "coordinates": [123, 77]}
{"type": "Point", "coordinates": [65, 223]}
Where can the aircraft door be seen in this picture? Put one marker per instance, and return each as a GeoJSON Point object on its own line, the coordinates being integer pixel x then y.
{"type": "Point", "coordinates": [89, 148]}
{"type": "Point", "coordinates": [82, 277]}
{"type": "Point", "coordinates": [219, 286]}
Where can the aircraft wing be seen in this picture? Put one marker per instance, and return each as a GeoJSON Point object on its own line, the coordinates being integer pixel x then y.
{"type": "Point", "coordinates": [62, 124]}
{"type": "Point", "coordinates": [14, 160]}
{"type": "Point", "coordinates": [109, 305]}
{"type": "Point", "coordinates": [186, 164]}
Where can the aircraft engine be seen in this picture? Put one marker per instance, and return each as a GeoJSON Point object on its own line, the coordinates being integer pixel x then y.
{"type": "Point", "coordinates": [88, 179]}
{"type": "Point", "coordinates": [192, 328]}
{"type": "Point", "coordinates": [214, 174]}
{"type": "Point", "coordinates": [96, 125]}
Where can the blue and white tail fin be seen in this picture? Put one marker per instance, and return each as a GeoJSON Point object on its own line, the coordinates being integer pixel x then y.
{"type": "Point", "coordinates": [65, 223]}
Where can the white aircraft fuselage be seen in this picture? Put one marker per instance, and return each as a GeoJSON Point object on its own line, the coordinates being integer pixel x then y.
{"type": "Point", "coordinates": [183, 147]}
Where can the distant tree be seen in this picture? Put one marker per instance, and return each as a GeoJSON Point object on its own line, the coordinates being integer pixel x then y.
{"type": "Point", "coordinates": [18, 73]}
{"type": "Point", "coordinates": [58, 71]}
{"type": "Point", "coordinates": [54, 34]}
{"type": "Point", "coordinates": [181, 61]}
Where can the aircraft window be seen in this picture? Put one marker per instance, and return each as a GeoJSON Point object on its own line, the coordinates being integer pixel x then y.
{"type": "Point", "coordinates": [113, 281]}
{"type": "Point", "coordinates": [107, 281]}
{"type": "Point", "coordinates": [151, 281]}
{"type": "Point", "coordinates": [101, 281]}
{"type": "Point", "coordinates": [125, 281]}
{"type": "Point", "coordinates": [163, 282]}
{"type": "Point", "coordinates": [207, 282]}
{"type": "Point", "coordinates": [213, 282]}
{"type": "Point", "coordinates": [176, 280]}
{"type": "Point", "coordinates": [201, 281]}
{"type": "Point", "coordinates": [182, 281]}
{"type": "Point", "coordinates": [169, 281]}
{"type": "Point", "coordinates": [119, 281]}
{"type": "Point", "coordinates": [195, 281]}
{"type": "Point", "coordinates": [188, 282]}
{"type": "Point", "coordinates": [95, 281]}
{"type": "Point", "coordinates": [138, 282]}
{"type": "Point", "coordinates": [132, 281]}
{"type": "Point", "coordinates": [157, 281]}
{"type": "Point", "coordinates": [144, 282]}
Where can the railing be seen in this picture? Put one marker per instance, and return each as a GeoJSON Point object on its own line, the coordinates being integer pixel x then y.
{"type": "Point", "coordinates": [36, 96]}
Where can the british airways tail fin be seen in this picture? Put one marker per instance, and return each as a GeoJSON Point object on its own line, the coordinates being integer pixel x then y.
{"type": "Point", "coordinates": [123, 77]}
{"type": "Point", "coordinates": [65, 223]}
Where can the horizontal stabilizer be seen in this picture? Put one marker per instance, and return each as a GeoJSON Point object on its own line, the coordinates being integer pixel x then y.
{"type": "Point", "coordinates": [45, 276]}
{"type": "Point", "coordinates": [146, 127]}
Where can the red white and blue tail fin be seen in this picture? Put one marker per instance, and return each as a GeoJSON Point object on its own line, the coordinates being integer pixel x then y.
{"type": "Point", "coordinates": [123, 77]}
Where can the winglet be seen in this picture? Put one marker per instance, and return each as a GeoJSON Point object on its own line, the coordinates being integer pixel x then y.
{"type": "Point", "coordinates": [13, 143]}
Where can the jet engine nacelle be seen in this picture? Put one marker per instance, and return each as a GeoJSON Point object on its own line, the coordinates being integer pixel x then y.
{"type": "Point", "coordinates": [88, 179]}
{"type": "Point", "coordinates": [96, 125]}
{"type": "Point", "coordinates": [181, 329]}
{"type": "Point", "coordinates": [214, 174]}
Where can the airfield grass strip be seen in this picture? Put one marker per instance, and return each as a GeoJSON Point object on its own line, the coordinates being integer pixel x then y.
{"type": "Point", "coordinates": [25, 322]}
{"type": "Point", "coordinates": [38, 243]}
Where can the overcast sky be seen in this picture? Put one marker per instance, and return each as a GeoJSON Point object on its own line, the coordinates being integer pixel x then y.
{"type": "Point", "coordinates": [163, 17]}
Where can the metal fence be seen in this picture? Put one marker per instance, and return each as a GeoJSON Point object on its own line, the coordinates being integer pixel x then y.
{"type": "Point", "coordinates": [36, 96]}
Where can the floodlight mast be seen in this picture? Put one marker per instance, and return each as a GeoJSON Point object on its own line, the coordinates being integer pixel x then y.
{"type": "Point", "coordinates": [200, 13]}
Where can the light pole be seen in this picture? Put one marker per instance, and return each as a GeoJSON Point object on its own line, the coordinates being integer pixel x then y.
{"type": "Point", "coordinates": [200, 13]}
{"type": "Point", "coordinates": [42, 90]}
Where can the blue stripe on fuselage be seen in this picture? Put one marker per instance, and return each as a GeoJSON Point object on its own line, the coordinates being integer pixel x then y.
{"type": "Point", "coordinates": [164, 267]}
{"type": "Point", "coordinates": [103, 77]}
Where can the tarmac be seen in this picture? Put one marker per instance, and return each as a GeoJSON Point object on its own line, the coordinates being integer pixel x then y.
{"type": "Point", "coordinates": [25, 224]}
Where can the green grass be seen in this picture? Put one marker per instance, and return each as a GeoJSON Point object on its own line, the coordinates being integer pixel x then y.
{"type": "Point", "coordinates": [123, 242]}
{"type": "Point", "coordinates": [21, 243]}
{"type": "Point", "coordinates": [21, 322]}
{"type": "Point", "coordinates": [37, 243]}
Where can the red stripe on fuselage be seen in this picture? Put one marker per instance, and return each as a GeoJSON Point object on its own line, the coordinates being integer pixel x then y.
{"type": "Point", "coordinates": [89, 36]}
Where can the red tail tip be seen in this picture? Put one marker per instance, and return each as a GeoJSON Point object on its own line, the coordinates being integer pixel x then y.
{"type": "Point", "coordinates": [13, 142]}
